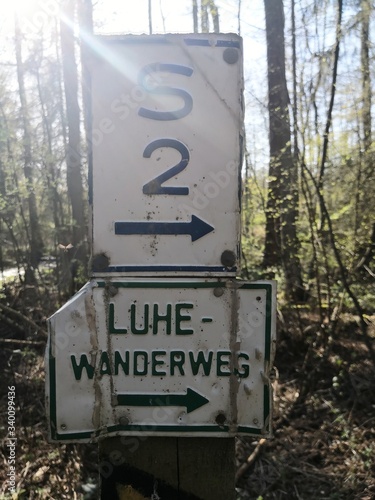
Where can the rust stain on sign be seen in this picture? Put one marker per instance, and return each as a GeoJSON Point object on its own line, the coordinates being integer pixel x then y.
{"type": "Point", "coordinates": [146, 356]}
{"type": "Point", "coordinates": [91, 323]}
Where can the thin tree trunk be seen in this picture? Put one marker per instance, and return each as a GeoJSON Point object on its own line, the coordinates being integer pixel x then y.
{"type": "Point", "coordinates": [204, 16]}
{"type": "Point", "coordinates": [294, 57]}
{"type": "Point", "coordinates": [365, 164]}
{"type": "Point", "coordinates": [214, 11]}
{"type": "Point", "coordinates": [366, 75]}
{"type": "Point", "coordinates": [49, 162]}
{"type": "Point", "coordinates": [73, 152]}
{"type": "Point", "coordinates": [332, 99]}
{"type": "Point", "coordinates": [9, 215]}
{"type": "Point", "coordinates": [35, 240]}
{"type": "Point", "coordinates": [86, 30]}
{"type": "Point", "coordinates": [149, 17]}
{"type": "Point", "coordinates": [195, 16]}
{"type": "Point", "coordinates": [64, 126]}
{"type": "Point", "coordinates": [162, 16]}
{"type": "Point", "coordinates": [239, 17]}
{"type": "Point", "coordinates": [85, 21]}
{"type": "Point", "coordinates": [3, 194]}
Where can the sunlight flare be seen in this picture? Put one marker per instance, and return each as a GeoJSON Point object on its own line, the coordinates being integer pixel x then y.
{"type": "Point", "coordinates": [19, 7]}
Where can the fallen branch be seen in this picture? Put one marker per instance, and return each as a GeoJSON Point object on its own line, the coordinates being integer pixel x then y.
{"type": "Point", "coordinates": [22, 342]}
{"type": "Point", "coordinates": [23, 318]}
{"type": "Point", "coordinates": [316, 474]}
{"type": "Point", "coordinates": [250, 460]}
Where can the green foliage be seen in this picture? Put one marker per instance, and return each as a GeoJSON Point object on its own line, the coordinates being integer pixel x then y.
{"type": "Point", "coordinates": [253, 227]}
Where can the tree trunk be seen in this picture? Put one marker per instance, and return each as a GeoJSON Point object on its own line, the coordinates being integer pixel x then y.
{"type": "Point", "coordinates": [239, 17]}
{"type": "Point", "coordinates": [14, 205]}
{"type": "Point", "coordinates": [214, 11]}
{"type": "Point", "coordinates": [35, 235]}
{"type": "Point", "coordinates": [85, 20]}
{"type": "Point", "coordinates": [195, 16]}
{"type": "Point", "coordinates": [204, 16]}
{"type": "Point", "coordinates": [73, 150]}
{"type": "Point", "coordinates": [366, 75]}
{"type": "Point", "coordinates": [149, 17]}
{"type": "Point", "coordinates": [282, 245]}
{"type": "Point", "coordinates": [365, 166]}
{"type": "Point", "coordinates": [331, 101]}
{"type": "Point", "coordinates": [49, 162]}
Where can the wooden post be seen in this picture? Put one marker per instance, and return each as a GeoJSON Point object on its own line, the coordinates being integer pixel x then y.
{"type": "Point", "coordinates": [167, 468]}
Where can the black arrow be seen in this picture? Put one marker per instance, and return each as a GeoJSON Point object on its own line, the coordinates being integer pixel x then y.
{"type": "Point", "coordinates": [196, 228]}
{"type": "Point", "coordinates": [191, 400]}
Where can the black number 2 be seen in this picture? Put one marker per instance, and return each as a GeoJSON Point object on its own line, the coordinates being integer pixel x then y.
{"type": "Point", "coordinates": [155, 185]}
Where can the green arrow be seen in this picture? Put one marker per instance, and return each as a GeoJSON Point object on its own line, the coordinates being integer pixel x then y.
{"type": "Point", "coordinates": [192, 400]}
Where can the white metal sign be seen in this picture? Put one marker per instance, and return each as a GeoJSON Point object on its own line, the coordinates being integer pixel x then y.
{"type": "Point", "coordinates": [161, 357]}
{"type": "Point", "coordinates": [166, 154]}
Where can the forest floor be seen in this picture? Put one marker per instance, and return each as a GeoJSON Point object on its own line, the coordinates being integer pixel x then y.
{"type": "Point", "coordinates": [324, 416]}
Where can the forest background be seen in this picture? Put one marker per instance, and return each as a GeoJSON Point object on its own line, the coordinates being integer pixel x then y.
{"type": "Point", "coordinates": [308, 219]}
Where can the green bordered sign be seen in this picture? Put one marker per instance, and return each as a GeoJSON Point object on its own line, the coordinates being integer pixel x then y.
{"type": "Point", "coordinates": [165, 357]}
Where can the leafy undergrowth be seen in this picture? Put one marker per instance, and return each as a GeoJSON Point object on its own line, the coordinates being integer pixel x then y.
{"type": "Point", "coordinates": [324, 420]}
{"type": "Point", "coordinates": [44, 470]}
